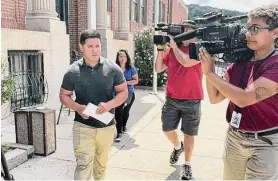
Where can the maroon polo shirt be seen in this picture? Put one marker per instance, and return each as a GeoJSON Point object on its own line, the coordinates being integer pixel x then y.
{"type": "Point", "coordinates": [264, 114]}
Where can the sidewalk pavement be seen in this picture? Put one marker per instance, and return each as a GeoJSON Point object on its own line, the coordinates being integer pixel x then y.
{"type": "Point", "coordinates": [144, 152]}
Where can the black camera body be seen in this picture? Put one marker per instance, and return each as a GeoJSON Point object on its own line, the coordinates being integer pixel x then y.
{"type": "Point", "coordinates": [226, 39]}
{"type": "Point", "coordinates": [219, 35]}
{"type": "Point", "coordinates": [170, 29]}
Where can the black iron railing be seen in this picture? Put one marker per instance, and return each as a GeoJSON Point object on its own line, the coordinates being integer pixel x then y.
{"type": "Point", "coordinates": [27, 73]}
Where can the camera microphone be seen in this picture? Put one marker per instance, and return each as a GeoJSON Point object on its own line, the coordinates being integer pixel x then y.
{"type": "Point", "coordinates": [235, 18]}
{"type": "Point", "coordinates": [186, 36]}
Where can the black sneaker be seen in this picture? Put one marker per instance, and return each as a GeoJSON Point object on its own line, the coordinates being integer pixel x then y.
{"type": "Point", "coordinates": [186, 173]}
{"type": "Point", "coordinates": [124, 129]}
{"type": "Point", "coordinates": [119, 137]}
{"type": "Point", "coordinates": [176, 154]}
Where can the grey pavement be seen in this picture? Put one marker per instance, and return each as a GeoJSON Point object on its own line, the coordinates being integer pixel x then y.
{"type": "Point", "coordinates": [144, 152]}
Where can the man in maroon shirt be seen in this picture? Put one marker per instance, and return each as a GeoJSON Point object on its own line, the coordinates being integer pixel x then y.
{"type": "Point", "coordinates": [251, 150]}
{"type": "Point", "coordinates": [184, 93]}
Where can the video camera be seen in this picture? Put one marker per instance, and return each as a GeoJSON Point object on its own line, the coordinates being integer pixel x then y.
{"type": "Point", "coordinates": [170, 29]}
{"type": "Point", "coordinates": [219, 35]}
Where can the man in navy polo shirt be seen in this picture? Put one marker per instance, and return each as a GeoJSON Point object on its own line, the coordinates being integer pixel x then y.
{"type": "Point", "coordinates": [93, 79]}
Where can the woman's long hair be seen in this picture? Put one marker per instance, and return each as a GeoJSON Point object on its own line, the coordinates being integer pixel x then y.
{"type": "Point", "coordinates": [128, 61]}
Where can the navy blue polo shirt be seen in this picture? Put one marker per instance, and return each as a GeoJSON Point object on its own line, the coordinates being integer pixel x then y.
{"type": "Point", "coordinates": [93, 85]}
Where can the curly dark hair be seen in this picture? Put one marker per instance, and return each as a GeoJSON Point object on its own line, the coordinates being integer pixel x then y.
{"type": "Point", "coordinates": [128, 61]}
{"type": "Point", "coordinates": [269, 14]}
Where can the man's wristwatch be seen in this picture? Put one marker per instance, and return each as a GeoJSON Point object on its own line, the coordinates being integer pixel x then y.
{"type": "Point", "coordinates": [160, 49]}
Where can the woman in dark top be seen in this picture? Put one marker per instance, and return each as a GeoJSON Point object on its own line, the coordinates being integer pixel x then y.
{"type": "Point", "coordinates": [251, 147]}
{"type": "Point", "coordinates": [131, 76]}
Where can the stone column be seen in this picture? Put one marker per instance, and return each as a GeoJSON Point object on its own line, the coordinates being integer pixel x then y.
{"type": "Point", "coordinates": [101, 14]}
{"type": "Point", "coordinates": [29, 7]}
{"type": "Point", "coordinates": [44, 9]}
{"type": "Point", "coordinates": [123, 24]}
{"type": "Point", "coordinates": [91, 14]}
{"type": "Point", "coordinates": [123, 16]}
{"type": "Point", "coordinates": [42, 16]}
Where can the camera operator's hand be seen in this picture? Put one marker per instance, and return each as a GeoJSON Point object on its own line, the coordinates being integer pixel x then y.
{"type": "Point", "coordinates": [160, 46]}
{"type": "Point", "coordinates": [207, 61]}
{"type": "Point", "coordinates": [172, 42]}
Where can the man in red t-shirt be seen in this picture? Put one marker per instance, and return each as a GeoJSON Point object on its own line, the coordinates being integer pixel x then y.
{"type": "Point", "coordinates": [251, 144]}
{"type": "Point", "coordinates": [184, 93]}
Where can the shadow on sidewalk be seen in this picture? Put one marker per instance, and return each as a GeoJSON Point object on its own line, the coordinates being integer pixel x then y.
{"type": "Point", "coordinates": [175, 175]}
{"type": "Point", "coordinates": [139, 108]}
{"type": "Point", "coordinates": [127, 143]}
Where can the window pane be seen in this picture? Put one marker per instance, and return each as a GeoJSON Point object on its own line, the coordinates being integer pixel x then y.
{"type": "Point", "coordinates": [163, 13]}
{"type": "Point", "coordinates": [27, 74]}
{"type": "Point", "coordinates": [109, 5]}
{"type": "Point", "coordinates": [130, 9]}
{"type": "Point", "coordinates": [145, 12]}
{"type": "Point", "coordinates": [143, 15]}
{"type": "Point", "coordinates": [58, 8]}
{"type": "Point", "coordinates": [159, 14]}
{"type": "Point", "coordinates": [136, 12]}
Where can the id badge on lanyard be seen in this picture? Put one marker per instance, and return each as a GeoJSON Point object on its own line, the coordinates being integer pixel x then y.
{"type": "Point", "coordinates": [236, 115]}
{"type": "Point", "coordinates": [235, 120]}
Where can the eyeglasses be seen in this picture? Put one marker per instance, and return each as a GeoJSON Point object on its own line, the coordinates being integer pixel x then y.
{"type": "Point", "coordinates": [255, 29]}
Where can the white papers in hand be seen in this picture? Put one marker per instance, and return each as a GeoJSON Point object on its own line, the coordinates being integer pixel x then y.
{"type": "Point", "coordinates": [104, 117]}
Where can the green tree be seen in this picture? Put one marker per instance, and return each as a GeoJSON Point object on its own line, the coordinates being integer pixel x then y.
{"type": "Point", "coordinates": [143, 56]}
{"type": "Point", "coordinates": [7, 84]}
{"type": "Point", "coordinates": [197, 11]}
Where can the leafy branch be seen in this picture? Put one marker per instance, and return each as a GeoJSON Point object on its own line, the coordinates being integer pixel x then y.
{"type": "Point", "coordinates": [7, 84]}
{"type": "Point", "coordinates": [144, 51]}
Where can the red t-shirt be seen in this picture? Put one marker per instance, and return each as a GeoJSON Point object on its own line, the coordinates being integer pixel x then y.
{"type": "Point", "coordinates": [264, 114]}
{"type": "Point", "coordinates": [184, 83]}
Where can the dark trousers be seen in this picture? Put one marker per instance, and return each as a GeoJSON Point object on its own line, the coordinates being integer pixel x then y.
{"type": "Point", "coordinates": [122, 114]}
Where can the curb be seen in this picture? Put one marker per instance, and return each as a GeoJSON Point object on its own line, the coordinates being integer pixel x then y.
{"type": "Point", "coordinates": [18, 155]}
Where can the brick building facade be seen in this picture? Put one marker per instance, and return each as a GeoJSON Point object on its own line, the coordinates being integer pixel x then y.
{"type": "Point", "coordinates": [13, 14]}
{"type": "Point", "coordinates": [141, 14]}
{"type": "Point", "coordinates": [35, 50]}
{"type": "Point", "coordinates": [37, 36]}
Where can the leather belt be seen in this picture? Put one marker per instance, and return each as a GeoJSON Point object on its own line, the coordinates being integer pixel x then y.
{"type": "Point", "coordinates": [256, 135]}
